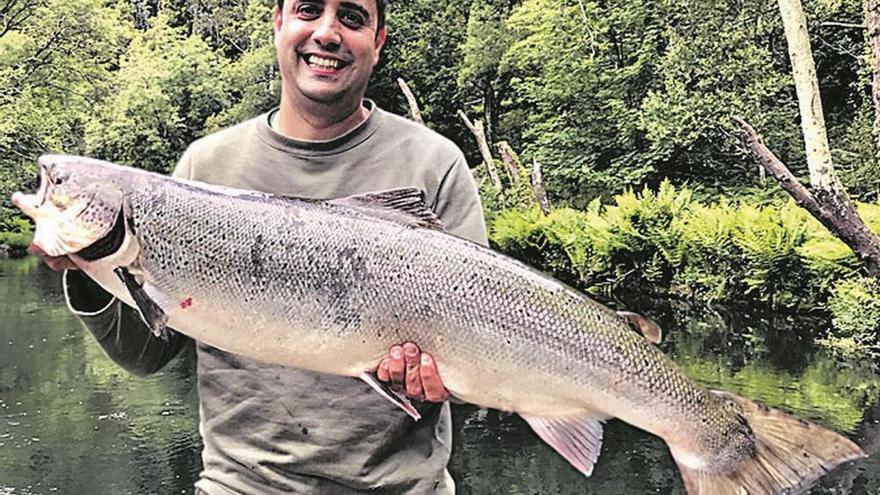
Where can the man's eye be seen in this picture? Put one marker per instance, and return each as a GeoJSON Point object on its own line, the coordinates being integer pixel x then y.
{"type": "Point", "coordinates": [307, 11]}
{"type": "Point", "coordinates": [352, 19]}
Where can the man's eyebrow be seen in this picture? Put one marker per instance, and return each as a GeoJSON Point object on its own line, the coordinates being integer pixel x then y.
{"type": "Point", "coordinates": [350, 5]}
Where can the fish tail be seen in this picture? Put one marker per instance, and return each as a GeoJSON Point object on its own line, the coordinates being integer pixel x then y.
{"type": "Point", "coordinates": [789, 455]}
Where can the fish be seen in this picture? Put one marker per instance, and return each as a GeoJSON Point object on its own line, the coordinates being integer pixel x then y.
{"type": "Point", "coordinates": [330, 285]}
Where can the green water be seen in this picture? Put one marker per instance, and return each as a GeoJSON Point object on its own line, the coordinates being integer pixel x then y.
{"type": "Point", "coordinates": [71, 422]}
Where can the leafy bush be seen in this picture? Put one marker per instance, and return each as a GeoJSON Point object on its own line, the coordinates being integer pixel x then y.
{"type": "Point", "coordinates": [855, 309]}
{"type": "Point", "coordinates": [669, 242]}
{"type": "Point", "coordinates": [18, 241]}
{"type": "Point", "coordinates": [15, 232]}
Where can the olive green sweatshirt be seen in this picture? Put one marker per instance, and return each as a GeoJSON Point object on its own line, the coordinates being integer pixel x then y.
{"type": "Point", "coordinates": [269, 429]}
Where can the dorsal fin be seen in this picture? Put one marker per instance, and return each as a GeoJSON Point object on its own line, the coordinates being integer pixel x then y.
{"type": "Point", "coordinates": [405, 205]}
{"type": "Point", "coordinates": [642, 324]}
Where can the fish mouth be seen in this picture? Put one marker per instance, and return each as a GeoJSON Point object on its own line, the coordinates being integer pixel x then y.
{"type": "Point", "coordinates": [43, 191]}
{"type": "Point", "coordinates": [29, 203]}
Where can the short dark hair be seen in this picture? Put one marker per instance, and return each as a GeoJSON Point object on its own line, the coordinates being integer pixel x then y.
{"type": "Point", "coordinates": [380, 9]}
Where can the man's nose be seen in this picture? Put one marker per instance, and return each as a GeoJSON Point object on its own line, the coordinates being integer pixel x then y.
{"type": "Point", "coordinates": [328, 31]}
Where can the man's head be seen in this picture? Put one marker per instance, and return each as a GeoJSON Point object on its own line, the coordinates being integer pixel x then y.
{"type": "Point", "coordinates": [327, 49]}
{"type": "Point", "coordinates": [380, 9]}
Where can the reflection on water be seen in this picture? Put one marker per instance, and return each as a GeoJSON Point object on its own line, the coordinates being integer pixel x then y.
{"type": "Point", "coordinates": [72, 422]}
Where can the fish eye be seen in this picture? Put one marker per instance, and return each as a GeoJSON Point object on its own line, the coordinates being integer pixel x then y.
{"type": "Point", "coordinates": [59, 179]}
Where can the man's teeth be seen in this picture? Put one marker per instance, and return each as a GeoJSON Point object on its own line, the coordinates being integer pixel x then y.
{"type": "Point", "coordinates": [323, 63]}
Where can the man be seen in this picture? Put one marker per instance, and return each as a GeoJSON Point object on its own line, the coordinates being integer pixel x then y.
{"type": "Point", "coordinates": [269, 429]}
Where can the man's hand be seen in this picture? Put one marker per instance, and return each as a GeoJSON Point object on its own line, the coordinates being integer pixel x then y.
{"type": "Point", "coordinates": [414, 372]}
{"type": "Point", "coordinates": [57, 263]}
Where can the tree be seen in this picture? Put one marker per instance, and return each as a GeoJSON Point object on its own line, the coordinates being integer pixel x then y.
{"type": "Point", "coordinates": [166, 88]}
{"type": "Point", "coordinates": [826, 199]}
{"type": "Point", "coordinates": [56, 62]}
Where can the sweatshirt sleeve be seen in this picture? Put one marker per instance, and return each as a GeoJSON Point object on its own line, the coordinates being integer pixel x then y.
{"type": "Point", "coordinates": [458, 203]}
{"type": "Point", "coordinates": [117, 327]}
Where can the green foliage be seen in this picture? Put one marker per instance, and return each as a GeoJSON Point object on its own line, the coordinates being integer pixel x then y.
{"type": "Point", "coordinates": [56, 61]}
{"type": "Point", "coordinates": [855, 309]}
{"type": "Point", "coordinates": [16, 233]}
{"type": "Point", "coordinates": [670, 243]}
{"type": "Point", "coordinates": [644, 92]}
{"type": "Point", "coordinates": [252, 78]}
{"type": "Point", "coordinates": [554, 242]}
{"type": "Point", "coordinates": [15, 240]}
{"type": "Point", "coordinates": [422, 48]}
{"type": "Point", "coordinates": [167, 86]}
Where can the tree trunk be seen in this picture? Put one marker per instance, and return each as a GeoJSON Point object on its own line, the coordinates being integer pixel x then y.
{"type": "Point", "coordinates": [489, 117]}
{"type": "Point", "coordinates": [809, 101]}
{"type": "Point", "coordinates": [825, 199]}
{"type": "Point", "coordinates": [872, 19]}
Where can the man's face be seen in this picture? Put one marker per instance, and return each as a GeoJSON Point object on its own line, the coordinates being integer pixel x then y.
{"type": "Point", "coordinates": [327, 48]}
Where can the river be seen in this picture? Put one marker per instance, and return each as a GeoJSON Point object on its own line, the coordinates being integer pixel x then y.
{"type": "Point", "coordinates": [71, 422]}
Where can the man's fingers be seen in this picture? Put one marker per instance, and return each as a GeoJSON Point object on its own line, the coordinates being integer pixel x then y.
{"type": "Point", "coordinates": [431, 383]}
{"type": "Point", "coordinates": [396, 365]}
{"type": "Point", "coordinates": [413, 379]}
{"type": "Point", "coordinates": [59, 263]}
{"type": "Point", "coordinates": [382, 370]}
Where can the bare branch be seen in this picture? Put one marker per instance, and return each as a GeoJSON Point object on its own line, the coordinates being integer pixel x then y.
{"type": "Point", "coordinates": [511, 161]}
{"type": "Point", "coordinates": [842, 24]}
{"type": "Point", "coordinates": [538, 187]}
{"type": "Point", "coordinates": [753, 141]}
{"type": "Point", "coordinates": [411, 100]}
{"type": "Point", "coordinates": [476, 129]}
{"type": "Point", "coordinates": [831, 207]}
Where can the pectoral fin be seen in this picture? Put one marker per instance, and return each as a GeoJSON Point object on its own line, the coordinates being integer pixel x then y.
{"type": "Point", "coordinates": [394, 396]}
{"type": "Point", "coordinates": [153, 315]}
{"type": "Point", "coordinates": [578, 440]}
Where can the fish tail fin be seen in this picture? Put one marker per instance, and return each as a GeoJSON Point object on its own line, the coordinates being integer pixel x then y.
{"type": "Point", "coordinates": [789, 455]}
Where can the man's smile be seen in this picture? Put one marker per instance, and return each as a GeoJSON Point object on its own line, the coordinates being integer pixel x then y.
{"type": "Point", "coordinates": [323, 63]}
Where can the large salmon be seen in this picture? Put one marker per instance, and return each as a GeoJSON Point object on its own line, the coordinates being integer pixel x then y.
{"type": "Point", "coordinates": [330, 285]}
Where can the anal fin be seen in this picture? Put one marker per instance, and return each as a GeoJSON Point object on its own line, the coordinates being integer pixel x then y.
{"type": "Point", "coordinates": [152, 314]}
{"type": "Point", "coordinates": [394, 396]}
{"type": "Point", "coordinates": [578, 440]}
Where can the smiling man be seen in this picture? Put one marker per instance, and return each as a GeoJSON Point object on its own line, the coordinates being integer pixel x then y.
{"type": "Point", "coordinates": [274, 430]}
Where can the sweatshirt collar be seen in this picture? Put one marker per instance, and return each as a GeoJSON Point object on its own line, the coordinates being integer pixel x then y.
{"type": "Point", "coordinates": [338, 144]}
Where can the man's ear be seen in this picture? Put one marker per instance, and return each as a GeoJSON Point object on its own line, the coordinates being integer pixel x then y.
{"type": "Point", "coordinates": [380, 38]}
{"type": "Point", "coordinates": [276, 19]}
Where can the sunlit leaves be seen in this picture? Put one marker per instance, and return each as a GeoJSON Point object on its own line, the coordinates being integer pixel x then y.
{"type": "Point", "coordinates": [167, 86]}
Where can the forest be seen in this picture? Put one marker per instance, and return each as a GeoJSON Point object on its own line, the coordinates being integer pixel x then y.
{"type": "Point", "coordinates": [627, 108]}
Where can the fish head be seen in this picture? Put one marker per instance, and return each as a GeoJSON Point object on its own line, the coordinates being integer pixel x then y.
{"type": "Point", "coordinates": [78, 203]}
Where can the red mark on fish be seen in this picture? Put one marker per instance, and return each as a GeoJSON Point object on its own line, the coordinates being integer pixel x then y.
{"type": "Point", "coordinates": [186, 303]}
